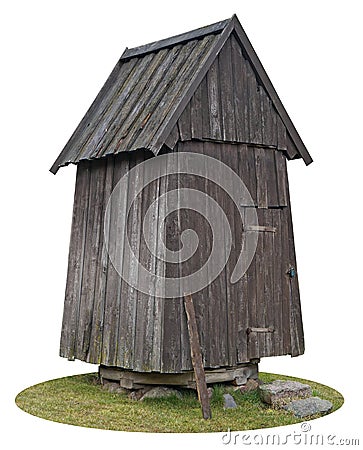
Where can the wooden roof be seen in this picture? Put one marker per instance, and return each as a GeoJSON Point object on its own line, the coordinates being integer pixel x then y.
{"type": "Point", "coordinates": [148, 90]}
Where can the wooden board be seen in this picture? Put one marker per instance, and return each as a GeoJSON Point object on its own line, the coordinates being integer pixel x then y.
{"type": "Point", "coordinates": [197, 358]}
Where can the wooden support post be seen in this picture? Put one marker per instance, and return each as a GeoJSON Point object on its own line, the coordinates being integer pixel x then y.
{"type": "Point", "coordinates": [196, 355]}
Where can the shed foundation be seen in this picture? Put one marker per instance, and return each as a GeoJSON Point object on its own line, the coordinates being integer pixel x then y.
{"type": "Point", "coordinates": [128, 379]}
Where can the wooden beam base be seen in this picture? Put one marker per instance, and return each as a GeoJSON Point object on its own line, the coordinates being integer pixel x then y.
{"type": "Point", "coordinates": [135, 380]}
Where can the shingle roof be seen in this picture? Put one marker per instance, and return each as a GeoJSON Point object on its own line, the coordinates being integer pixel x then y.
{"type": "Point", "coordinates": [148, 89]}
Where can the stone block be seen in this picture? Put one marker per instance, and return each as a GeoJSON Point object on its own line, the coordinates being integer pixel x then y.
{"type": "Point", "coordinates": [309, 406]}
{"type": "Point", "coordinates": [281, 392]}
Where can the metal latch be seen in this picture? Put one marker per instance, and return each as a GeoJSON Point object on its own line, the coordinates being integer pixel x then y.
{"type": "Point", "coordinates": [260, 330]}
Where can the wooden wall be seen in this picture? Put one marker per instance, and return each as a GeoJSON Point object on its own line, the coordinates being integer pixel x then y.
{"type": "Point", "coordinates": [108, 322]}
{"type": "Point", "coordinates": [230, 117]}
{"type": "Point", "coordinates": [230, 105]}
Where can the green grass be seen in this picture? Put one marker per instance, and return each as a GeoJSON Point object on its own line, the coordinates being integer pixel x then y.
{"type": "Point", "coordinates": [79, 400]}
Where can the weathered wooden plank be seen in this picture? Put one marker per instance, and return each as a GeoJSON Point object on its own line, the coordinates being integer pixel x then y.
{"type": "Point", "coordinates": [261, 300]}
{"type": "Point", "coordinates": [255, 130]}
{"type": "Point", "coordinates": [196, 113]}
{"type": "Point", "coordinates": [285, 282]}
{"type": "Point", "coordinates": [75, 263]}
{"type": "Point", "coordinates": [266, 119]}
{"type": "Point", "coordinates": [178, 93]}
{"type": "Point", "coordinates": [274, 137]}
{"type": "Point", "coordinates": [252, 307]}
{"type": "Point", "coordinates": [184, 124]}
{"type": "Point", "coordinates": [269, 282]}
{"type": "Point", "coordinates": [250, 167]}
{"type": "Point", "coordinates": [233, 295]}
{"type": "Point", "coordinates": [277, 288]}
{"type": "Point", "coordinates": [209, 55]}
{"type": "Point", "coordinates": [281, 134]}
{"type": "Point", "coordinates": [95, 349]}
{"type": "Point", "coordinates": [214, 102]}
{"type": "Point", "coordinates": [145, 312]}
{"type": "Point", "coordinates": [152, 86]}
{"type": "Point", "coordinates": [227, 93]}
{"type": "Point", "coordinates": [112, 110]}
{"type": "Point", "coordinates": [190, 219]}
{"type": "Point", "coordinates": [242, 300]}
{"type": "Point", "coordinates": [158, 319]}
{"type": "Point", "coordinates": [281, 177]}
{"type": "Point", "coordinates": [292, 150]}
{"type": "Point", "coordinates": [113, 298]}
{"type": "Point", "coordinates": [211, 330]}
{"type": "Point", "coordinates": [271, 178]}
{"type": "Point", "coordinates": [174, 40]}
{"type": "Point", "coordinates": [261, 228]}
{"type": "Point", "coordinates": [218, 303]}
{"type": "Point", "coordinates": [240, 91]}
{"type": "Point", "coordinates": [173, 138]}
{"type": "Point", "coordinates": [187, 379]}
{"type": "Point", "coordinates": [205, 109]}
{"type": "Point", "coordinates": [261, 177]}
{"type": "Point", "coordinates": [171, 347]}
{"type": "Point", "coordinates": [134, 326]}
{"type": "Point", "coordinates": [197, 358]}
{"type": "Point", "coordinates": [91, 267]}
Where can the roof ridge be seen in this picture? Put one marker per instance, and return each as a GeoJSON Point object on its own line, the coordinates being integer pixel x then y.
{"type": "Point", "coordinates": [214, 28]}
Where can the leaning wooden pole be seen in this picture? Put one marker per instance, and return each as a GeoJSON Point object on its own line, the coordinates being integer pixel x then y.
{"type": "Point", "coordinates": [196, 355]}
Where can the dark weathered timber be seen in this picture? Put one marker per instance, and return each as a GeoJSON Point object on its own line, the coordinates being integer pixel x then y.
{"type": "Point", "coordinates": [173, 138]}
{"type": "Point", "coordinates": [269, 300]}
{"type": "Point", "coordinates": [261, 177]}
{"type": "Point", "coordinates": [281, 178]}
{"type": "Point", "coordinates": [171, 348]}
{"type": "Point", "coordinates": [184, 124]}
{"type": "Point", "coordinates": [197, 358]}
{"type": "Point", "coordinates": [91, 260]}
{"type": "Point", "coordinates": [254, 112]}
{"type": "Point", "coordinates": [271, 181]}
{"type": "Point", "coordinates": [285, 282]}
{"type": "Point", "coordinates": [240, 91]}
{"type": "Point", "coordinates": [196, 112]}
{"type": "Point", "coordinates": [215, 120]}
{"type": "Point", "coordinates": [277, 290]}
{"type": "Point", "coordinates": [261, 299]}
{"type": "Point", "coordinates": [179, 39]}
{"type": "Point", "coordinates": [233, 290]}
{"type": "Point", "coordinates": [227, 93]}
{"type": "Point", "coordinates": [95, 352]}
{"type": "Point", "coordinates": [75, 263]}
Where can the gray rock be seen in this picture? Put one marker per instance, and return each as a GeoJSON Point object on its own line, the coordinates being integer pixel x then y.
{"type": "Point", "coordinates": [114, 387]}
{"type": "Point", "coordinates": [251, 385]}
{"type": "Point", "coordinates": [309, 406]}
{"type": "Point", "coordinates": [161, 392]}
{"type": "Point", "coordinates": [229, 401]}
{"type": "Point", "coordinates": [281, 392]}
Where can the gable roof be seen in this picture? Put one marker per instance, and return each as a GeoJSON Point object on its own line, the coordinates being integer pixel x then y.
{"type": "Point", "coordinates": [148, 90]}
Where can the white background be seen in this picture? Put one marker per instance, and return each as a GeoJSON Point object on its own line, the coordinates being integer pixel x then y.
{"type": "Point", "coordinates": [55, 56]}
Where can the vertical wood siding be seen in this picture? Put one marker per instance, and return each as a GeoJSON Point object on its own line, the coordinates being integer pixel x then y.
{"type": "Point", "coordinates": [230, 105]}
{"type": "Point", "coordinates": [230, 117]}
{"type": "Point", "coordinates": [108, 322]}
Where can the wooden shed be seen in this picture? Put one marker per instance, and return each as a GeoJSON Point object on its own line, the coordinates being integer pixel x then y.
{"type": "Point", "coordinates": [203, 92]}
